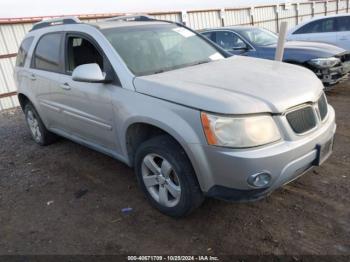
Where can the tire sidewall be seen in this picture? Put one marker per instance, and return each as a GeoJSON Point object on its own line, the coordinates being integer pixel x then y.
{"type": "Point", "coordinates": [28, 108]}
{"type": "Point", "coordinates": [182, 169]}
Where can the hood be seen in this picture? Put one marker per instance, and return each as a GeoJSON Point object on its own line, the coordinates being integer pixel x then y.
{"type": "Point", "coordinates": [236, 85]}
{"type": "Point", "coordinates": [303, 51]}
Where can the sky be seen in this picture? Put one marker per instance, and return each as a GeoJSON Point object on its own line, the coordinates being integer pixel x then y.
{"type": "Point", "coordinates": [30, 8]}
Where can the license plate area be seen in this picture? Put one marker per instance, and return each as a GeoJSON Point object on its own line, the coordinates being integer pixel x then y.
{"type": "Point", "coordinates": [324, 151]}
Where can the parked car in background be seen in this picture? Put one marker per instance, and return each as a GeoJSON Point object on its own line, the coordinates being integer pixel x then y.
{"type": "Point", "coordinates": [191, 121]}
{"type": "Point", "coordinates": [330, 29]}
{"type": "Point", "coordinates": [330, 63]}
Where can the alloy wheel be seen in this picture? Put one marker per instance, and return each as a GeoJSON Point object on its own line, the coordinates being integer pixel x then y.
{"type": "Point", "coordinates": [161, 180]}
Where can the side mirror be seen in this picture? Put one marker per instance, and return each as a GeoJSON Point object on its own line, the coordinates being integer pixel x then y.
{"type": "Point", "coordinates": [90, 73]}
{"type": "Point", "coordinates": [242, 47]}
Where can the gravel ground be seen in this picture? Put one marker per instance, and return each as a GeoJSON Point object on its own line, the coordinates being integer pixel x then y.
{"type": "Point", "coordinates": [67, 199]}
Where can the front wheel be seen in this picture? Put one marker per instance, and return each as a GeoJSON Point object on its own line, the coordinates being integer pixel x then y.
{"type": "Point", "coordinates": [165, 174]}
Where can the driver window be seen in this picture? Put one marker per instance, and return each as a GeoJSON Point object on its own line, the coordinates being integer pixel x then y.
{"type": "Point", "coordinates": [229, 40]}
{"type": "Point", "coordinates": [80, 52]}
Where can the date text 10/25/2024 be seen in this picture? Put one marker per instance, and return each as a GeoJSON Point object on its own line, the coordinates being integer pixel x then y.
{"type": "Point", "coordinates": [173, 258]}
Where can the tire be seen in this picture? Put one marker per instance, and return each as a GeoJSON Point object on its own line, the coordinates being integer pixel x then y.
{"type": "Point", "coordinates": [166, 176]}
{"type": "Point", "coordinates": [37, 128]}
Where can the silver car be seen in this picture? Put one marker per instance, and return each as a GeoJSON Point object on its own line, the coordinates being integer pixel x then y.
{"type": "Point", "coordinates": [192, 121]}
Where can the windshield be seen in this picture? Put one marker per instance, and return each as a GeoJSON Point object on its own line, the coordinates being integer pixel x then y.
{"type": "Point", "coordinates": [151, 49]}
{"type": "Point", "coordinates": [259, 37]}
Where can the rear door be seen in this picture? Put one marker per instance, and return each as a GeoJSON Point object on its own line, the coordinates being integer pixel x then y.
{"type": "Point", "coordinates": [323, 30]}
{"type": "Point", "coordinates": [343, 32]}
{"type": "Point", "coordinates": [45, 70]}
{"type": "Point", "coordinates": [87, 106]}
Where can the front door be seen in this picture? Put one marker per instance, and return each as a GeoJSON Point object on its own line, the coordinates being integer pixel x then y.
{"type": "Point", "coordinates": [88, 107]}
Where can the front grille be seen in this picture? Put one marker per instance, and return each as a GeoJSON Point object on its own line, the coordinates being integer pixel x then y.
{"type": "Point", "coordinates": [322, 107]}
{"type": "Point", "coordinates": [302, 120]}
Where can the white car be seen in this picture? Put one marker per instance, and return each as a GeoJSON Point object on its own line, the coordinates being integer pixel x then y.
{"type": "Point", "coordinates": [331, 29]}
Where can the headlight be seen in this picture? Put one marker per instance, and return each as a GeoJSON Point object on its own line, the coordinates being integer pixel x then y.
{"type": "Point", "coordinates": [325, 62]}
{"type": "Point", "coordinates": [239, 132]}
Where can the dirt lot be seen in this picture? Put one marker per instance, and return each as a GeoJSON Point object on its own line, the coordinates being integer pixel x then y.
{"type": "Point", "coordinates": [43, 208]}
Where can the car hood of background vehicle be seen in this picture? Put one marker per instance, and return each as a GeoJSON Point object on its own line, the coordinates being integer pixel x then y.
{"type": "Point", "coordinates": [305, 51]}
{"type": "Point", "coordinates": [236, 85]}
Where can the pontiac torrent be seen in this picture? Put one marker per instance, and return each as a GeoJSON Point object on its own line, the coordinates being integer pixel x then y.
{"type": "Point", "coordinates": [191, 120]}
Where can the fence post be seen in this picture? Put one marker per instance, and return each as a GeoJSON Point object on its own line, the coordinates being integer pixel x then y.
{"type": "Point", "coordinates": [184, 17]}
{"type": "Point", "coordinates": [222, 17]}
{"type": "Point", "coordinates": [277, 10]}
{"type": "Point", "coordinates": [297, 13]}
{"type": "Point", "coordinates": [337, 12]}
{"type": "Point", "coordinates": [313, 9]}
{"type": "Point", "coordinates": [252, 12]}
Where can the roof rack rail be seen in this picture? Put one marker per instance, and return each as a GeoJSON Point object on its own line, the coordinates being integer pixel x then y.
{"type": "Point", "coordinates": [127, 18]}
{"type": "Point", "coordinates": [56, 21]}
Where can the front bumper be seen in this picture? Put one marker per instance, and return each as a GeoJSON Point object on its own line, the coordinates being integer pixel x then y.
{"type": "Point", "coordinates": [223, 173]}
{"type": "Point", "coordinates": [334, 75]}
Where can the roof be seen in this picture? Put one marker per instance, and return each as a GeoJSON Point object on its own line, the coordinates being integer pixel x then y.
{"type": "Point", "coordinates": [115, 24]}
{"type": "Point", "coordinates": [234, 27]}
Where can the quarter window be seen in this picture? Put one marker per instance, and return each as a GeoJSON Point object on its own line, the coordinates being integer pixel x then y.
{"type": "Point", "coordinates": [23, 51]}
{"type": "Point", "coordinates": [47, 53]}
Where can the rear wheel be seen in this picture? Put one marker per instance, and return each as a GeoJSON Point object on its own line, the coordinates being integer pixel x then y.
{"type": "Point", "coordinates": [37, 129]}
{"type": "Point", "coordinates": [166, 176]}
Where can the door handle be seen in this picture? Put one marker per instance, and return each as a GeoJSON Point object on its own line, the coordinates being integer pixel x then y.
{"type": "Point", "coordinates": [343, 38]}
{"type": "Point", "coordinates": [32, 77]}
{"type": "Point", "coordinates": [66, 86]}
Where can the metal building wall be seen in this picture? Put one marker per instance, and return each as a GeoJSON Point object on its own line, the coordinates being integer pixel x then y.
{"type": "Point", "coordinates": [305, 11]}
{"type": "Point", "coordinates": [204, 19]}
{"type": "Point", "coordinates": [238, 16]}
{"type": "Point", "coordinates": [12, 31]}
{"type": "Point", "coordinates": [260, 15]}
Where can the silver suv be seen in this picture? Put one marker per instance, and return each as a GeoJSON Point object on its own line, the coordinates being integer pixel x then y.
{"type": "Point", "coordinates": [192, 121]}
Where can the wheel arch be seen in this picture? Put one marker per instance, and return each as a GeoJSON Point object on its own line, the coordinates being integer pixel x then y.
{"type": "Point", "coordinates": [23, 100]}
{"type": "Point", "coordinates": [138, 132]}
{"type": "Point", "coordinates": [146, 130]}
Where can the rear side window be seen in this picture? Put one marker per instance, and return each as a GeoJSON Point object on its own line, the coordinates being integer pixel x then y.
{"type": "Point", "coordinates": [343, 23]}
{"type": "Point", "coordinates": [48, 53]}
{"type": "Point", "coordinates": [23, 51]}
{"type": "Point", "coordinates": [319, 26]}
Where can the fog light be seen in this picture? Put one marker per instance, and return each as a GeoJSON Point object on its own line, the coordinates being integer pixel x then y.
{"type": "Point", "coordinates": [260, 179]}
